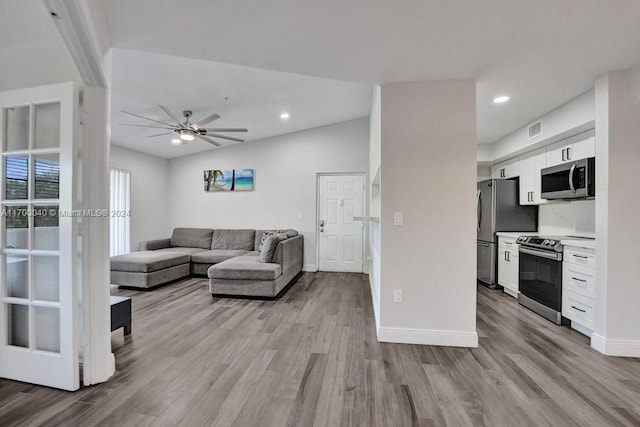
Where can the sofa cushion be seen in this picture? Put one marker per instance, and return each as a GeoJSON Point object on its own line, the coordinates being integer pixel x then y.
{"type": "Point", "coordinates": [184, 251]}
{"type": "Point", "coordinates": [192, 237]}
{"type": "Point", "coordinates": [245, 268]}
{"type": "Point", "coordinates": [269, 246]}
{"type": "Point", "coordinates": [233, 239]}
{"type": "Point", "coordinates": [147, 261]}
{"type": "Point", "coordinates": [266, 233]}
{"type": "Point", "coordinates": [215, 256]}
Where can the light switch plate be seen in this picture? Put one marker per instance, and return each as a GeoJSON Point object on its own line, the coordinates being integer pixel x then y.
{"type": "Point", "coordinates": [300, 216]}
{"type": "Point", "coordinates": [397, 218]}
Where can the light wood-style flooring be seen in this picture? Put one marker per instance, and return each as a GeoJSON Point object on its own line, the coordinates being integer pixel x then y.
{"type": "Point", "coordinates": [312, 358]}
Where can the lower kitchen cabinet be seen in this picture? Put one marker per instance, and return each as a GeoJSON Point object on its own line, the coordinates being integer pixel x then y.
{"type": "Point", "coordinates": [578, 288]}
{"type": "Point", "coordinates": [508, 265]}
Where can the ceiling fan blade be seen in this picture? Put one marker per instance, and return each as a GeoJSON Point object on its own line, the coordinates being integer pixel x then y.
{"type": "Point", "coordinates": [169, 113]}
{"type": "Point", "coordinates": [158, 134]}
{"type": "Point", "coordinates": [147, 118]}
{"type": "Point", "coordinates": [209, 140]}
{"type": "Point", "coordinates": [208, 119]}
{"type": "Point", "coordinates": [227, 130]}
{"type": "Point", "coordinates": [146, 126]}
{"type": "Point", "coordinates": [230, 138]}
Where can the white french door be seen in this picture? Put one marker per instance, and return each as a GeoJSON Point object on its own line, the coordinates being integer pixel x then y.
{"type": "Point", "coordinates": [38, 256]}
{"type": "Point", "coordinates": [340, 198]}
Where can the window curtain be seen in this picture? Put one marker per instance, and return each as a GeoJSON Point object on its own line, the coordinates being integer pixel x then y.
{"type": "Point", "coordinates": [119, 232]}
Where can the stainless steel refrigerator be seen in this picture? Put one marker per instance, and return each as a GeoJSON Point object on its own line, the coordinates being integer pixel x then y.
{"type": "Point", "coordinates": [498, 209]}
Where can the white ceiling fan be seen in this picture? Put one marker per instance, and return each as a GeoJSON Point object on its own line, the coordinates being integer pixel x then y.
{"type": "Point", "coordinates": [186, 130]}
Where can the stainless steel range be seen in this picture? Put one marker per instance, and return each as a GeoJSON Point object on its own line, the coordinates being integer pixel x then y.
{"type": "Point", "coordinates": [540, 280]}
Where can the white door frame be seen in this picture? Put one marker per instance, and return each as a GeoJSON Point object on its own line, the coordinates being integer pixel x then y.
{"type": "Point", "coordinates": [317, 219]}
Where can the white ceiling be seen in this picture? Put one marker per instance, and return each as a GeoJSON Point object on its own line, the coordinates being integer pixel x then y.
{"type": "Point", "coordinates": [542, 53]}
{"type": "Point", "coordinates": [32, 52]}
{"type": "Point", "coordinates": [141, 81]}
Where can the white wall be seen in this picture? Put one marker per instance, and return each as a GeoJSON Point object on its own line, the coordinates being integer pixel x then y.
{"type": "Point", "coordinates": [285, 169]}
{"type": "Point", "coordinates": [617, 206]}
{"type": "Point", "coordinates": [374, 201]}
{"type": "Point", "coordinates": [575, 218]}
{"type": "Point", "coordinates": [575, 116]}
{"type": "Point", "coordinates": [149, 193]}
{"type": "Point", "coordinates": [428, 173]}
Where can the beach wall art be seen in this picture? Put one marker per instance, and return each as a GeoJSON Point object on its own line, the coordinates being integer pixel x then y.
{"type": "Point", "coordinates": [228, 180]}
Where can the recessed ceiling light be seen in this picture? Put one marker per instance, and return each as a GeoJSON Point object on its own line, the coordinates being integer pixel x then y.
{"type": "Point", "coordinates": [500, 99]}
{"type": "Point", "coordinates": [285, 115]}
{"type": "Point", "coordinates": [176, 141]}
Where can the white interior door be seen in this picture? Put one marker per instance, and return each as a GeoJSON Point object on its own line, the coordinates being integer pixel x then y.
{"type": "Point", "coordinates": [340, 198]}
{"type": "Point", "coordinates": [38, 327]}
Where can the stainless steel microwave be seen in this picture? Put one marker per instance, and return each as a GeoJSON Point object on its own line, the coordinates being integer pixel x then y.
{"type": "Point", "coordinates": [573, 180]}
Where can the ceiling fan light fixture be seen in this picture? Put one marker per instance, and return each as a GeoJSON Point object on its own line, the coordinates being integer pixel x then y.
{"type": "Point", "coordinates": [186, 135]}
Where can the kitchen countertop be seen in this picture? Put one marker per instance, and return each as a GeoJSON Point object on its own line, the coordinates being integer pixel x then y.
{"type": "Point", "coordinates": [567, 241]}
{"type": "Point", "coordinates": [581, 243]}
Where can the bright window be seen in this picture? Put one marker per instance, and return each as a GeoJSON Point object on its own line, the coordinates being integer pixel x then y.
{"type": "Point", "coordinates": [120, 233]}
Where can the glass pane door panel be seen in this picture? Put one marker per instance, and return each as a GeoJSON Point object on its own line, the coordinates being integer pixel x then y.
{"type": "Point", "coordinates": [45, 232]}
{"type": "Point", "coordinates": [16, 131]}
{"type": "Point", "coordinates": [16, 177]}
{"type": "Point", "coordinates": [47, 176]}
{"type": "Point", "coordinates": [16, 227]}
{"type": "Point", "coordinates": [18, 325]}
{"type": "Point", "coordinates": [47, 125]}
{"type": "Point", "coordinates": [47, 328]}
{"type": "Point", "coordinates": [46, 278]}
{"type": "Point", "coordinates": [17, 269]}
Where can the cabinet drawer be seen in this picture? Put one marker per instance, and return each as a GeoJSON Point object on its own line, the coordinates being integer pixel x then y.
{"type": "Point", "coordinates": [580, 256]}
{"type": "Point", "coordinates": [578, 308]}
{"type": "Point", "coordinates": [580, 279]}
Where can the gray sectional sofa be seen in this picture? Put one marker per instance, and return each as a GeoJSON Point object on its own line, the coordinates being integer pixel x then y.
{"type": "Point", "coordinates": [240, 262]}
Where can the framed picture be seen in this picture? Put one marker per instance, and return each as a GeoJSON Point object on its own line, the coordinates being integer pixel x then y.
{"type": "Point", "coordinates": [228, 180]}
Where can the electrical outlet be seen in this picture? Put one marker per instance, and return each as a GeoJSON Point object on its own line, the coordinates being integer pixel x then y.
{"type": "Point", "coordinates": [397, 218]}
{"type": "Point", "coordinates": [300, 216]}
{"type": "Point", "coordinates": [397, 295]}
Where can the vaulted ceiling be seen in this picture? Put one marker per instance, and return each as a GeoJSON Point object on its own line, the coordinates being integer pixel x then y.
{"type": "Point", "coordinates": [540, 53]}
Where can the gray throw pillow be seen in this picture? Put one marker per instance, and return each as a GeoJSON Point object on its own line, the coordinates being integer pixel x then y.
{"type": "Point", "coordinates": [266, 235]}
{"type": "Point", "coordinates": [269, 246]}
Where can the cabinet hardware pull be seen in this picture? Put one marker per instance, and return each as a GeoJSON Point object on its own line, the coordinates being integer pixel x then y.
{"type": "Point", "coordinates": [568, 154]}
{"type": "Point", "coordinates": [563, 159]}
{"type": "Point", "coordinates": [579, 280]}
{"type": "Point", "coordinates": [579, 309]}
{"type": "Point", "coordinates": [580, 256]}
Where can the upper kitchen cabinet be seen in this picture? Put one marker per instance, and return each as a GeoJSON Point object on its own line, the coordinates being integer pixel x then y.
{"type": "Point", "coordinates": [566, 151]}
{"type": "Point", "coordinates": [507, 169]}
{"type": "Point", "coordinates": [530, 166]}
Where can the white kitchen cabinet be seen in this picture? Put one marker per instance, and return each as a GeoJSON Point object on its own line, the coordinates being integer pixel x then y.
{"type": "Point", "coordinates": [507, 169]}
{"type": "Point", "coordinates": [578, 288]}
{"type": "Point", "coordinates": [564, 151]}
{"type": "Point", "coordinates": [508, 265]}
{"type": "Point", "coordinates": [530, 166]}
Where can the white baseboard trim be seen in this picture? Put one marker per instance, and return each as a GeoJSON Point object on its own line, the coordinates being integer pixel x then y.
{"type": "Point", "coordinates": [310, 267]}
{"type": "Point", "coordinates": [615, 347]}
{"type": "Point", "coordinates": [428, 337]}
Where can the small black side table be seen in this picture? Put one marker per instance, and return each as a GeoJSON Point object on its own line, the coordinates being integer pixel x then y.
{"type": "Point", "coordinates": [121, 313]}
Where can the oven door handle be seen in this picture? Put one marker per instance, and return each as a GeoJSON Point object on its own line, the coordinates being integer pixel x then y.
{"type": "Point", "coordinates": [549, 255]}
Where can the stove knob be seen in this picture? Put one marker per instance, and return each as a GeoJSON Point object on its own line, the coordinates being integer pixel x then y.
{"type": "Point", "coordinates": [545, 242]}
{"type": "Point", "coordinates": [552, 242]}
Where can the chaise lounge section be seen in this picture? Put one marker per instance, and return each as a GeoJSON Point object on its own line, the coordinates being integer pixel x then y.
{"type": "Point", "coordinates": [239, 262]}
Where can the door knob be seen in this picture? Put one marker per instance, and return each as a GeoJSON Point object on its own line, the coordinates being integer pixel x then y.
{"type": "Point", "coordinates": [322, 223]}
{"type": "Point", "coordinates": [321, 230]}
